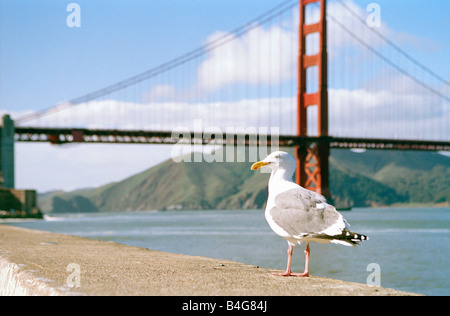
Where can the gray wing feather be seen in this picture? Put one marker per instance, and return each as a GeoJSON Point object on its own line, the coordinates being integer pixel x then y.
{"type": "Point", "coordinates": [296, 212]}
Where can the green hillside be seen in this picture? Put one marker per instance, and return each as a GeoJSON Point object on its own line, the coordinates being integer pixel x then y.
{"type": "Point", "coordinates": [371, 178]}
{"type": "Point", "coordinates": [410, 176]}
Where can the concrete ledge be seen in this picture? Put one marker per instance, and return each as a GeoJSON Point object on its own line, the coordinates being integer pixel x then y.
{"type": "Point", "coordinates": [41, 263]}
{"type": "Point", "coordinates": [15, 281]}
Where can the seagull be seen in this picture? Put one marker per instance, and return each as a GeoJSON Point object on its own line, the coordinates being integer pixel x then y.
{"type": "Point", "coordinates": [301, 215]}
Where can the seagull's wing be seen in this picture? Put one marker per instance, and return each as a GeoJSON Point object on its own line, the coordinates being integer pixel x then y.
{"type": "Point", "coordinates": [301, 212]}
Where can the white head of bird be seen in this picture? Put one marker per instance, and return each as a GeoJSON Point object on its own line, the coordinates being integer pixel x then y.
{"type": "Point", "coordinates": [282, 164]}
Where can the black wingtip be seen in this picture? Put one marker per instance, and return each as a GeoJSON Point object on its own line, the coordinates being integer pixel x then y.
{"type": "Point", "coordinates": [355, 237]}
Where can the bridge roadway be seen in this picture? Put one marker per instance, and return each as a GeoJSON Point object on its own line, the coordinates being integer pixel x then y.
{"type": "Point", "coordinates": [111, 136]}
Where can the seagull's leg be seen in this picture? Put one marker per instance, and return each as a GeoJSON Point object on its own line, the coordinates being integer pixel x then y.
{"type": "Point", "coordinates": [306, 272]}
{"type": "Point", "coordinates": [307, 252]}
{"type": "Point", "coordinates": [288, 271]}
{"type": "Point", "coordinates": [288, 268]}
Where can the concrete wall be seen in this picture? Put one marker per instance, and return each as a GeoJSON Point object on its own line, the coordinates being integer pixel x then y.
{"type": "Point", "coordinates": [16, 281]}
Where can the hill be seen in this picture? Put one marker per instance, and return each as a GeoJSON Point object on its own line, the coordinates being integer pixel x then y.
{"type": "Point", "coordinates": [371, 178]}
{"type": "Point", "coordinates": [404, 176]}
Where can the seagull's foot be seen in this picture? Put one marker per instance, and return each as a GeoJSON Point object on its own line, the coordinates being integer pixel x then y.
{"type": "Point", "coordinates": [288, 273]}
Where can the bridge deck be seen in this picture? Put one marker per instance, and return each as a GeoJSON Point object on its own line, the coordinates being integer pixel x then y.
{"type": "Point", "coordinates": [110, 136]}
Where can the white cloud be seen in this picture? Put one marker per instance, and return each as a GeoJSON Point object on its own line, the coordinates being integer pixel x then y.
{"type": "Point", "coordinates": [388, 113]}
{"type": "Point", "coordinates": [263, 55]}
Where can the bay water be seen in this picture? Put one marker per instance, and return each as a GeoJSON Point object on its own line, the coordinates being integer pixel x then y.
{"type": "Point", "coordinates": [408, 248]}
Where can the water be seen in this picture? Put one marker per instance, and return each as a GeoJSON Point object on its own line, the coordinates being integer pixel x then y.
{"type": "Point", "coordinates": [411, 246]}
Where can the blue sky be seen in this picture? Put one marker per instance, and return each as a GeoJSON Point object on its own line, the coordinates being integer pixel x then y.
{"type": "Point", "coordinates": [44, 62]}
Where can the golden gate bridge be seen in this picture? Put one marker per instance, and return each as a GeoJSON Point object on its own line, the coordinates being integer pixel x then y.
{"type": "Point", "coordinates": [316, 71]}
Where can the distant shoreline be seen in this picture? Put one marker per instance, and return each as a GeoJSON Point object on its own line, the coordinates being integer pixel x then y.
{"type": "Point", "coordinates": [403, 206]}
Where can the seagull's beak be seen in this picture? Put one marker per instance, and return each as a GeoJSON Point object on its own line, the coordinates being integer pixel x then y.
{"type": "Point", "coordinates": [259, 164]}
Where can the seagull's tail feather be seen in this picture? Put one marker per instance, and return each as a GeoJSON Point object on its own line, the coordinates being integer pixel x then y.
{"type": "Point", "coordinates": [346, 238]}
{"type": "Point", "coordinates": [349, 238]}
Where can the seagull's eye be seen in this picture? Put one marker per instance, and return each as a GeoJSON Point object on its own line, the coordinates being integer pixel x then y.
{"type": "Point", "coordinates": [277, 156]}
